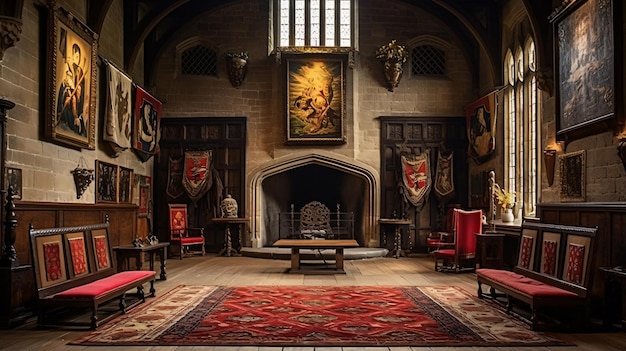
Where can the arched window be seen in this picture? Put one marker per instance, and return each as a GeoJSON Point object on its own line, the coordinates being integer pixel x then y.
{"type": "Point", "coordinates": [314, 23]}
{"type": "Point", "coordinates": [521, 114]}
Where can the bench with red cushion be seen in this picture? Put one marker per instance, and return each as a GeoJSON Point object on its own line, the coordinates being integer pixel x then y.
{"type": "Point", "coordinates": [553, 272]}
{"type": "Point", "coordinates": [74, 271]}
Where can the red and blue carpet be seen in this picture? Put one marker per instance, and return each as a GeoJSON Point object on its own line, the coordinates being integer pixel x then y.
{"type": "Point", "coordinates": [316, 316]}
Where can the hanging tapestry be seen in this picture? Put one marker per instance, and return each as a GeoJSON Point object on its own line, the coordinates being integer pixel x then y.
{"type": "Point", "coordinates": [197, 177]}
{"type": "Point", "coordinates": [147, 117]}
{"type": "Point", "coordinates": [416, 177]}
{"type": "Point", "coordinates": [117, 122]}
{"type": "Point", "coordinates": [444, 182]}
{"type": "Point", "coordinates": [174, 187]}
{"type": "Point", "coordinates": [481, 127]}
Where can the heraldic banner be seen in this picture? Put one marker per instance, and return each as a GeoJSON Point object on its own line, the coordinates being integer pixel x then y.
{"type": "Point", "coordinates": [147, 122]}
{"type": "Point", "coordinates": [118, 108]}
{"type": "Point", "coordinates": [481, 127]}
{"type": "Point", "coordinates": [175, 177]}
{"type": "Point", "coordinates": [197, 177]}
{"type": "Point", "coordinates": [444, 183]}
{"type": "Point", "coordinates": [416, 177]}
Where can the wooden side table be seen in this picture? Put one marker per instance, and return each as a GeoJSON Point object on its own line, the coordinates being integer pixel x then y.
{"type": "Point", "coordinates": [229, 249]}
{"type": "Point", "coordinates": [123, 255]}
{"type": "Point", "coordinates": [614, 296]}
{"type": "Point", "coordinates": [398, 226]}
{"type": "Point", "coordinates": [490, 250]}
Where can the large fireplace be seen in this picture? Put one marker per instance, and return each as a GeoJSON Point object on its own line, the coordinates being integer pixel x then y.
{"type": "Point", "coordinates": [299, 180]}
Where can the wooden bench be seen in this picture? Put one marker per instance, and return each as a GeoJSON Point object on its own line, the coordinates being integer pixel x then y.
{"type": "Point", "coordinates": [75, 273]}
{"type": "Point", "coordinates": [552, 276]}
{"type": "Point", "coordinates": [316, 244]}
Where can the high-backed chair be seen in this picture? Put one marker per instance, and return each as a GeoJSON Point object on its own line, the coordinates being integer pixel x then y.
{"type": "Point", "coordinates": [184, 240]}
{"type": "Point", "coordinates": [438, 239]}
{"type": "Point", "coordinates": [460, 254]}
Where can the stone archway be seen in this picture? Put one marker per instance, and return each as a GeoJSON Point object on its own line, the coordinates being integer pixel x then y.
{"type": "Point", "coordinates": [276, 185]}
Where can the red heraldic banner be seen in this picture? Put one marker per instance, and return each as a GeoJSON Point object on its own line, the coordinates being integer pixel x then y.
{"type": "Point", "coordinates": [197, 177]}
{"type": "Point", "coordinates": [416, 177]}
{"type": "Point", "coordinates": [481, 127]}
{"type": "Point", "coordinates": [147, 118]}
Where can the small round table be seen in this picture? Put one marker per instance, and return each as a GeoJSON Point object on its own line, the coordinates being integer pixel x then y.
{"type": "Point", "coordinates": [228, 248]}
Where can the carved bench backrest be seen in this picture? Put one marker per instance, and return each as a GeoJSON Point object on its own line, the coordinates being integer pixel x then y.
{"type": "Point", "coordinates": [66, 257]}
{"type": "Point", "coordinates": [558, 255]}
{"type": "Point", "coordinates": [315, 219]}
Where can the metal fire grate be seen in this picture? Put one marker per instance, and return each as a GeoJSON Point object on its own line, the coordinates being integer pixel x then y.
{"type": "Point", "coordinates": [200, 61]}
{"type": "Point", "coordinates": [427, 60]}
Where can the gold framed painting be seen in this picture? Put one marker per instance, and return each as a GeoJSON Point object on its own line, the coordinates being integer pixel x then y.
{"type": "Point", "coordinates": [71, 81]}
{"type": "Point", "coordinates": [315, 100]}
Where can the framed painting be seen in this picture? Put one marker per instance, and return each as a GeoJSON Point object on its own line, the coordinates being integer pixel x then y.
{"type": "Point", "coordinates": [100, 242]}
{"type": "Point", "coordinates": [50, 251]}
{"type": "Point", "coordinates": [125, 188]}
{"type": "Point", "coordinates": [572, 167]}
{"type": "Point", "coordinates": [315, 100]}
{"type": "Point", "coordinates": [14, 180]}
{"type": "Point", "coordinates": [71, 86]}
{"type": "Point", "coordinates": [106, 182]}
{"type": "Point", "coordinates": [585, 67]}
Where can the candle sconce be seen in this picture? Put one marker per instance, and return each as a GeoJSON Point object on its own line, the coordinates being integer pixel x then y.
{"type": "Point", "coordinates": [549, 158]}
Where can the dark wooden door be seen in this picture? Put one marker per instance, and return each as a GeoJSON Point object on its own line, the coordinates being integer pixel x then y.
{"type": "Point", "coordinates": [415, 135]}
{"type": "Point", "coordinates": [226, 138]}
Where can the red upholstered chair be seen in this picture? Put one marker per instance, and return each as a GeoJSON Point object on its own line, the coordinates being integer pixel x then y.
{"type": "Point", "coordinates": [461, 253]}
{"type": "Point", "coordinates": [181, 242]}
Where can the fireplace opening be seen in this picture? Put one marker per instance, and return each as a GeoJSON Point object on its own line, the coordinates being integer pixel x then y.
{"type": "Point", "coordinates": [313, 182]}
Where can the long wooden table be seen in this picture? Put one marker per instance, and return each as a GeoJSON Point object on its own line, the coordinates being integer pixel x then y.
{"type": "Point", "coordinates": [314, 244]}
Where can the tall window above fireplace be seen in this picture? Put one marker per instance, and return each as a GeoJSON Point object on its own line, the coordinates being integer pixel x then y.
{"type": "Point", "coordinates": [313, 23]}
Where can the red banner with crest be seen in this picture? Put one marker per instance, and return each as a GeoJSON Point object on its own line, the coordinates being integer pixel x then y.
{"type": "Point", "coordinates": [197, 177]}
{"type": "Point", "coordinates": [416, 177]}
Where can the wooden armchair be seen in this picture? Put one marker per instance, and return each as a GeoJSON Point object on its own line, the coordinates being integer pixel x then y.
{"type": "Point", "coordinates": [181, 242]}
{"type": "Point", "coordinates": [460, 254]}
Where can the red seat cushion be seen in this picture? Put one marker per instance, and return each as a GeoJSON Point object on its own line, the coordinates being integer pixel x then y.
{"type": "Point", "coordinates": [522, 283]}
{"type": "Point", "coordinates": [445, 253]}
{"type": "Point", "coordinates": [104, 285]}
{"type": "Point", "coordinates": [189, 240]}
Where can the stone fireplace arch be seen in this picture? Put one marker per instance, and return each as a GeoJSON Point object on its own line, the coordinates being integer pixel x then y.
{"type": "Point", "coordinates": [257, 199]}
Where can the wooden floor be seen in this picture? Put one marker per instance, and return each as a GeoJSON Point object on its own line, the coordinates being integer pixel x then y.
{"type": "Point", "coordinates": [241, 271]}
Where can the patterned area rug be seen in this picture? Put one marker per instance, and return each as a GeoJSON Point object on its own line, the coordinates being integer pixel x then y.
{"type": "Point", "coordinates": [316, 316]}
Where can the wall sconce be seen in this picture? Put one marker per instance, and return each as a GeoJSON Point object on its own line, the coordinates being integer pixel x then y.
{"type": "Point", "coordinates": [549, 158]}
{"type": "Point", "coordinates": [621, 151]}
{"type": "Point", "coordinates": [10, 24]}
{"type": "Point", "coordinates": [237, 67]}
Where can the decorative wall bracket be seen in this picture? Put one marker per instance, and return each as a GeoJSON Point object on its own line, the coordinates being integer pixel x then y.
{"type": "Point", "coordinates": [237, 67]}
{"type": "Point", "coordinates": [549, 158]}
{"type": "Point", "coordinates": [392, 56]}
{"type": "Point", "coordinates": [10, 24]}
{"type": "Point", "coordinates": [621, 151]}
{"type": "Point", "coordinates": [82, 177]}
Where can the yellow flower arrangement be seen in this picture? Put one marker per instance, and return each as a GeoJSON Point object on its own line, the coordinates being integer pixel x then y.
{"type": "Point", "coordinates": [505, 198]}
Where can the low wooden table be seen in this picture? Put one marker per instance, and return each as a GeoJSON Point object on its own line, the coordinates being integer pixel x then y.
{"type": "Point", "coordinates": [123, 255]}
{"type": "Point", "coordinates": [313, 244]}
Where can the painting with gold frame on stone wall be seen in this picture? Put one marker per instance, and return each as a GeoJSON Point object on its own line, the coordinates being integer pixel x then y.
{"type": "Point", "coordinates": [315, 99]}
{"type": "Point", "coordinates": [71, 95]}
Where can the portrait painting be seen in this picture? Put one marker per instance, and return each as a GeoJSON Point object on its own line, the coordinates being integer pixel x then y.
{"type": "Point", "coordinates": [315, 100]}
{"type": "Point", "coordinates": [147, 120]}
{"type": "Point", "coordinates": [71, 107]}
{"type": "Point", "coordinates": [106, 182]}
{"type": "Point", "coordinates": [572, 167]}
{"type": "Point", "coordinates": [585, 68]}
{"type": "Point", "coordinates": [481, 127]}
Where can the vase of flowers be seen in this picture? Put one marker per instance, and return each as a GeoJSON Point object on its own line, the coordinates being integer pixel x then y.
{"type": "Point", "coordinates": [506, 200]}
{"type": "Point", "coordinates": [392, 56]}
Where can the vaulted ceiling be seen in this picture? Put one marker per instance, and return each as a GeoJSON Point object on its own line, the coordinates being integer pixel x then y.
{"type": "Point", "coordinates": [149, 24]}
